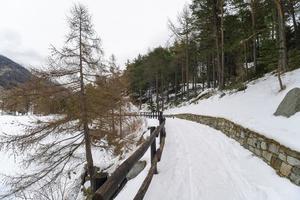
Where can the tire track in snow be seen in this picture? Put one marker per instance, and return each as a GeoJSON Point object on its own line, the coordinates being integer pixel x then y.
{"type": "Point", "coordinates": [199, 162]}
{"type": "Point", "coordinates": [189, 164]}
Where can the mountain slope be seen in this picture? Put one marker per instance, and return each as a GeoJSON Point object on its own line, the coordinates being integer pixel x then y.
{"type": "Point", "coordinates": [254, 108]}
{"type": "Point", "coordinates": [11, 73]}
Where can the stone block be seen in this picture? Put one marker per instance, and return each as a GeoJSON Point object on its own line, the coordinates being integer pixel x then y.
{"type": "Point", "coordinates": [245, 145]}
{"type": "Point", "coordinates": [256, 143]}
{"type": "Point", "coordinates": [267, 156]}
{"type": "Point", "coordinates": [251, 149]}
{"type": "Point", "coordinates": [282, 149]}
{"type": "Point", "coordinates": [263, 145]}
{"type": "Point", "coordinates": [274, 148]}
{"type": "Point", "coordinates": [276, 163]}
{"type": "Point", "coordinates": [241, 141]}
{"type": "Point", "coordinates": [260, 139]}
{"type": "Point", "coordinates": [285, 169]}
{"type": "Point", "coordinates": [242, 134]}
{"type": "Point", "coordinates": [250, 141]}
{"type": "Point", "coordinates": [296, 170]}
{"type": "Point", "coordinates": [295, 179]}
{"type": "Point", "coordinates": [257, 152]}
{"type": "Point", "coordinates": [292, 153]}
{"type": "Point", "coordinates": [293, 161]}
{"type": "Point", "coordinates": [282, 157]}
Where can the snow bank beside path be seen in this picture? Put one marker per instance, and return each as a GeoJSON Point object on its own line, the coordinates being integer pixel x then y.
{"type": "Point", "coordinates": [254, 109]}
{"type": "Point", "coordinates": [201, 163]}
{"type": "Point", "coordinates": [131, 188]}
{"type": "Point", "coordinates": [12, 165]}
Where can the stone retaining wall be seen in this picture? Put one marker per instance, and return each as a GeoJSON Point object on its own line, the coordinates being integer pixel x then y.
{"type": "Point", "coordinates": [285, 161]}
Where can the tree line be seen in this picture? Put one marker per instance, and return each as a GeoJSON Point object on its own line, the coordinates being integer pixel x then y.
{"type": "Point", "coordinates": [219, 44]}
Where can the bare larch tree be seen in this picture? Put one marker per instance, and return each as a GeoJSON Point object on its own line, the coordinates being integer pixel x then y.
{"type": "Point", "coordinates": [56, 143]}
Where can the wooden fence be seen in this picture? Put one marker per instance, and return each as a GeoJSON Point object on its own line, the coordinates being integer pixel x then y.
{"type": "Point", "coordinates": [116, 181]}
{"type": "Point", "coordinates": [154, 115]}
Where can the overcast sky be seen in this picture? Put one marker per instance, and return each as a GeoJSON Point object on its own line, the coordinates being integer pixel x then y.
{"type": "Point", "coordinates": [126, 27]}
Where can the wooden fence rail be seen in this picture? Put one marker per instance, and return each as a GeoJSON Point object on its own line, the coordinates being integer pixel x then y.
{"type": "Point", "coordinates": [116, 181]}
{"type": "Point", "coordinates": [154, 115]}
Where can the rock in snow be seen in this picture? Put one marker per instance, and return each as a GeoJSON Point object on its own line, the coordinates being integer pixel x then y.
{"type": "Point", "coordinates": [137, 168]}
{"type": "Point", "coordinates": [290, 104]}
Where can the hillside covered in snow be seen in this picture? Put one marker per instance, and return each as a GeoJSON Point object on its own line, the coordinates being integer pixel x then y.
{"type": "Point", "coordinates": [254, 108]}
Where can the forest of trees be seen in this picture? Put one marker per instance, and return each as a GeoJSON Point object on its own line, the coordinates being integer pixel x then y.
{"type": "Point", "coordinates": [219, 44]}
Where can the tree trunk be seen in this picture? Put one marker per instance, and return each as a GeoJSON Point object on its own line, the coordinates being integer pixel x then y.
{"type": "Point", "coordinates": [208, 72]}
{"type": "Point", "coordinates": [203, 78]}
{"type": "Point", "coordinates": [222, 80]}
{"type": "Point", "coordinates": [295, 25]}
{"type": "Point", "coordinates": [245, 61]}
{"type": "Point", "coordinates": [151, 94]}
{"type": "Point", "coordinates": [183, 83]}
{"type": "Point", "coordinates": [213, 72]}
{"type": "Point", "coordinates": [175, 88]}
{"type": "Point", "coordinates": [120, 120]}
{"type": "Point", "coordinates": [84, 117]}
{"type": "Point", "coordinates": [169, 86]}
{"type": "Point", "coordinates": [274, 23]}
{"type": "Point", "coordinates": [280, 81]}
{"type": "Point", "coordinates": [113, 121]}
{"type": "Point", "coordinates": [157, 94]}
{"type": "Point", "coordinates": [187, 63]}
{"type": "Point", "coordinates": [140, 99]}
{"type": "Point", "coordinates": [193, 79]}
{"type": "Point", "coordinates": [162, 92]}
{"type": "Point", "coordinates": [253, 19]}
{"type": "Point", "coordinates": [292, 12]}
{"type": "Point", "coordinates": [216, 33]}
{"type": "Point", "coordinates": [282, 63]}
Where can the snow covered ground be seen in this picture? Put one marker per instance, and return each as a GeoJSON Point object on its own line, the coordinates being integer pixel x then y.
{"type": "Point", "coordinates": [201, 163]}
{"type": "Point", "coordinates": [11, 165]}
{"type": "Point", "coordinates": [254, 108]}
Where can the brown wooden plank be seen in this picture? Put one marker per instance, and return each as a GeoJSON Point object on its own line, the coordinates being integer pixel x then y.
{"type": "Point", "coordinates": [145, 185]}
{"type": "Point", "coordinates": [109, 188]}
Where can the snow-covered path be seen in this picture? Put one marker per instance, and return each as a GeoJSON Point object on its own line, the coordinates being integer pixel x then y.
{"type": "Point", "coordinates": [201, 163]}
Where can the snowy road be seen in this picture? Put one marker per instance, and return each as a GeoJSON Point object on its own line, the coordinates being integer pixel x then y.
{"type": "Point", "coordinates": [200, 163]}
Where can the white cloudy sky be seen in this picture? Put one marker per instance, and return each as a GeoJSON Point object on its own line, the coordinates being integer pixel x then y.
{"type": "Point", "coordinates": [126, 27]}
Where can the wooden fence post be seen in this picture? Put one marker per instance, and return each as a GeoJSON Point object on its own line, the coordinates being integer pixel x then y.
{"type": "Point", "coordinates": [162, 120]}
{"type": "Point", "coordinates": [153, 150]}
{"type": "Point", "coordinates": [161, 134]}
{"type": "Point", "coordinates": [159, 117]}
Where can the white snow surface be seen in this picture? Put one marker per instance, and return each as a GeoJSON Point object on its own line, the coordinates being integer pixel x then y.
{"type": "Point", "coordinates": [11, 165]}
{"type": "Point", "coordinates": [199, 162]}
{"type": "Point", "coordinates": [254, 108]}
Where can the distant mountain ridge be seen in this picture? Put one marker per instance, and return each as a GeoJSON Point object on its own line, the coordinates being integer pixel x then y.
{"type": "Point", "coordinates": [12, 73]}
